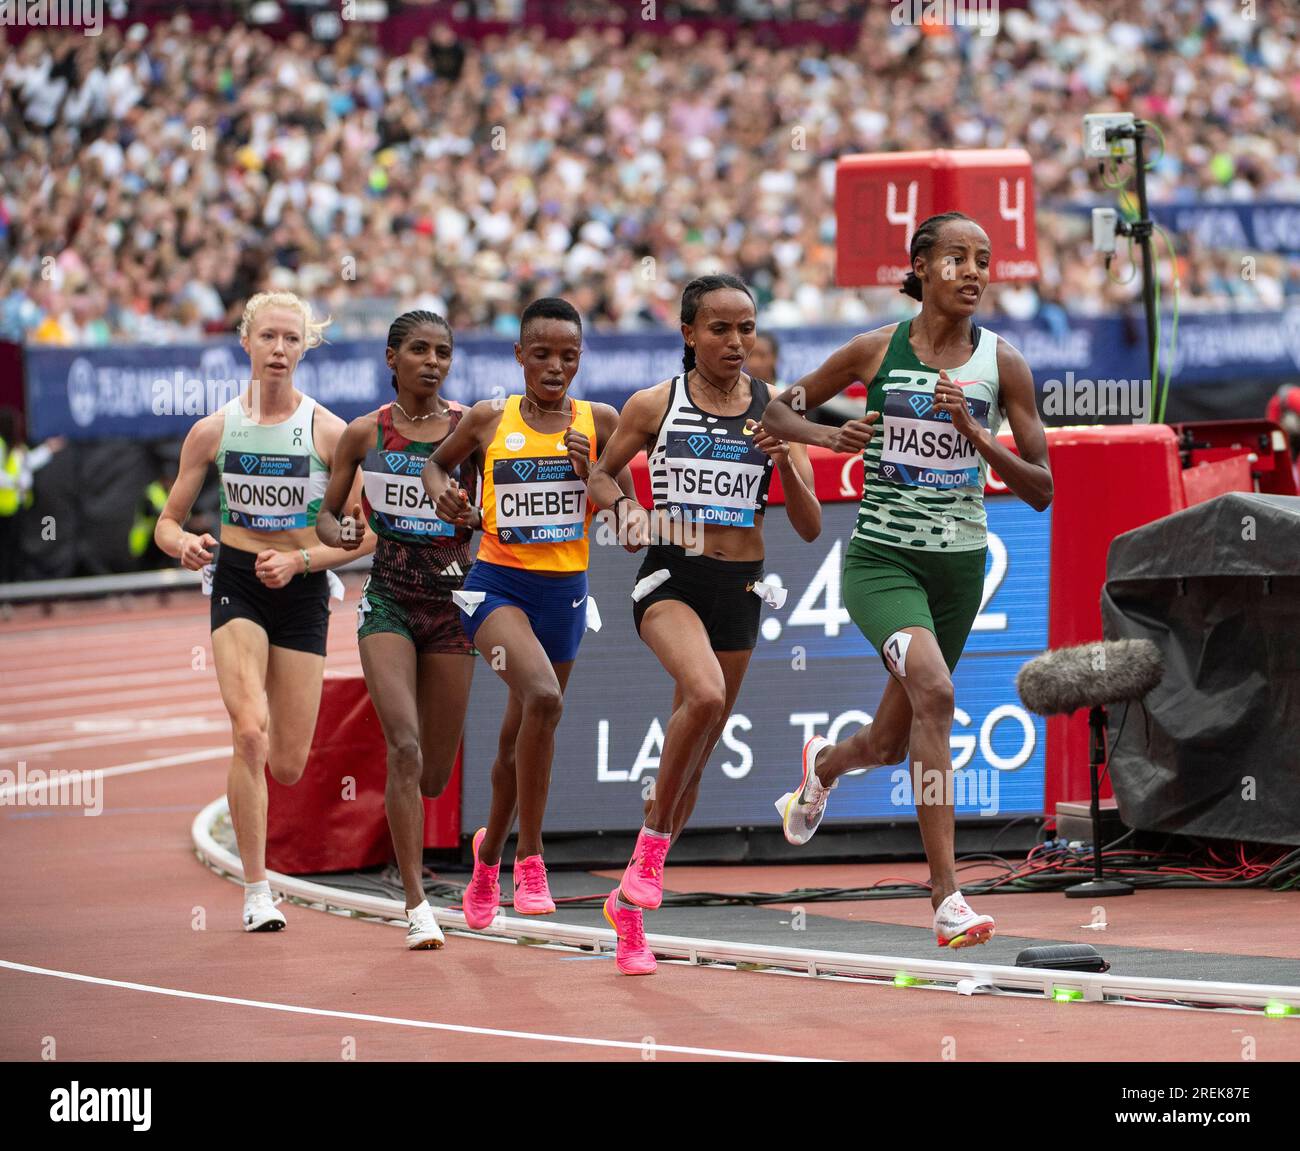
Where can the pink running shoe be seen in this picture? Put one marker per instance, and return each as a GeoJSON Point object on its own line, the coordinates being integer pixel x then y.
{"type": "Point", "coordinates": [632, 956]}
{"type": "Point", "coordinates": [956, 925]}
{"type": "Point", "coordinates": [532, 895]}
{"type": "Point", "coordinates": [643, 881]}
{"type": "Point", "coordinates": [482, 898]}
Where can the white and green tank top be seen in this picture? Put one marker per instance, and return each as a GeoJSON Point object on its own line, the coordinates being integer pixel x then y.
{"type": "Point", "coordinates": [923, 481]}
{"type": "Point", "coordinates": [272, 478]}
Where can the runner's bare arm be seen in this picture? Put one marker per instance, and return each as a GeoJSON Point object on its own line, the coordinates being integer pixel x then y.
{"type": "Point", "coordinates": [197, 453]}
{"type": "Point", "coordinates": [1028, 474]}
{"type": "Point", "coordinates": [801, 504]}
{"type": "Point", "coordinates": [632, 430]}
{"type": "Point", "coordinates": [607, 420]}
{"type": "Point", "coordinates": [330, 430]}
{"type": "Point", "coordinates": [333, 529]}
{"type": "Point", "coordinates": [471, 437]}
{"type": "Point", "coordinates": [859, 359]}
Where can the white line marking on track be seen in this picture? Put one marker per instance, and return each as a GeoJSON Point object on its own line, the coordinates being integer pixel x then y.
{"type": "Point", "coordinates": [108, 721]}
{"type": "Point", "coordinates": [187, 726]}
{"type": "Point", "coordinates": [81, 704]}
{"type": "Point", "coordinates": [87, 685]}
{"type": "Point", "coordinates": [396, 1021]}
{"type": "Point", "coordinates": [203, 754]}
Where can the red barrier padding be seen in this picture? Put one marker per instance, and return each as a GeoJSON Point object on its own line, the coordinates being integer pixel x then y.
{"type": "Point", "coordinates": [1260, 443]}
{"type": "Point", "coordinates": [333, 818]}
{"type": "Point", "coordinates": [1107, 480]}
{"type": "Point", "coordinates": [881, 198]}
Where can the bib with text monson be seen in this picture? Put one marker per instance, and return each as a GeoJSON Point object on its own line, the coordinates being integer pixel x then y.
{"type": "Point", "coordinates": [266, 492]}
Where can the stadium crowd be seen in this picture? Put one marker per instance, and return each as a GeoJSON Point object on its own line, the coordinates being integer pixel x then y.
{"type": "Point", "coordinates": [152, 179]}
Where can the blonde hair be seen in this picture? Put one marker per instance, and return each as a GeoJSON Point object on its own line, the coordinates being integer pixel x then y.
{"type": "Point", "coordinates": [312, 329]}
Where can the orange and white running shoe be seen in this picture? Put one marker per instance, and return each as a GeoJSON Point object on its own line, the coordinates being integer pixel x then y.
{"type": "Point", "coordinates": [802, 809]}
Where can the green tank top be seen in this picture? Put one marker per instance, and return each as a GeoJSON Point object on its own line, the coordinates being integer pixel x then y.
{"type": "Point", "coordinates": [271, 477]}
{"type": "Point", "coordinates": [923, 482]}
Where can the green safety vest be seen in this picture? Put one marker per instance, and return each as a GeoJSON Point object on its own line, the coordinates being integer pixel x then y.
{"type": "Point", "coordinates": [11, 465]}
{"type": "Point", "coordinates": [146, 517]}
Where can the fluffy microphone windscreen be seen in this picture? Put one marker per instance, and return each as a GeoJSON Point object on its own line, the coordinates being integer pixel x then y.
{"type": "Point", "coordinates": [1090, 675]}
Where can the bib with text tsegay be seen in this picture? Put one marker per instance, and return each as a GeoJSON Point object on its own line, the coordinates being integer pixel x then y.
{"type": "Point", "coordinates": [714, 479]}
{"type": "Point", "coordinates": [535, 511]}
{"type": "Point", "coordinates": [272, 478]}
{"type": "Point", "coordinates": [705, 467]}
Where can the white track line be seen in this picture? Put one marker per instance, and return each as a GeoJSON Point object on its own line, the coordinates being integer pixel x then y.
{"type": "Point", "coordinates": [10, 791]}
{"type": "Point", "coordinates": [121, 663]}
{"type": "Point", "coordinates": [186, 726]}
{"type": "Point", "coordinates": [76, 705]}
{"type": "Point", "coordinates": [395, 1021]}
{"type": "Point", "coordinates": [109, 722]}
{"type": "Point", "coordinates": [85, 687]}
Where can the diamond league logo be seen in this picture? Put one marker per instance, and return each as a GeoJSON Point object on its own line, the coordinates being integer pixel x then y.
{"type": "Point", "coordinates": [248, 462]}
{"type": "Point", "coordinates": [921, 404]}
{"type": "Point", "coordinates": [524, 469]}
{"type": "Point", "coordinates": [700, 443]}
{"type": "Point", "coordinates": [396, 461]}
{"type": "Point", "coordinates": [82, 392]}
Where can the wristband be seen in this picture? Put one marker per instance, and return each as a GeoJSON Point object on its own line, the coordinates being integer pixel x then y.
{"type": "Point", "coordinates": [306, 560]}
{"type": "Point", "coordinates": [614, 505]}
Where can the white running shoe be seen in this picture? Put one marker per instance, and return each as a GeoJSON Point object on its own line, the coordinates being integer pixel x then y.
{"type": "Point", "coordinates": [956, 925]}
{"type": "Point", "coordinates": [802, 810]}
{"type": "Point", "coordinates": [424, 931]}
{"type": "Point", "coordinates": [260, 913]}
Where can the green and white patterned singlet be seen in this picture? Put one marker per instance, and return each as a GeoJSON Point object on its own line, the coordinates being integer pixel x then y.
{"type": "Point", "coordinates": [923, 481]}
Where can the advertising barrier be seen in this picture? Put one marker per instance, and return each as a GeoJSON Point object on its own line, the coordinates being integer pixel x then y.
{"type": "Point", "coordinates": [812, 673]}
{"type": "Point", "coordinates": [158, 392]}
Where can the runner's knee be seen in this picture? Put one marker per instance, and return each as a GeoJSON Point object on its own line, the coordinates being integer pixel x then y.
{"type": "Point", "coordinates": [252, 744]}
{"type": "Point", "coordinates": [544, 704]}
{"type": "Point", "coordinates": [404, 758]}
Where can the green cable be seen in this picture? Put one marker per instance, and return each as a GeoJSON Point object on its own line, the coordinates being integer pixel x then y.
{"type": "Point", "coordinates": [1155, 347]}
{"type": "Point", "coordinates": [1173, 335]}
{"type": "Point", "coordinates": [1150, 164]}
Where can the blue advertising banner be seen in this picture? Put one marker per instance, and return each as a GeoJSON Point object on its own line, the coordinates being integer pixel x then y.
{"type": "Point", "coordinates": [812, 673]}
{"type": "Point", "coordinates": [158, 392]}
{"type": "Point", "coordinates": [1257, 226]}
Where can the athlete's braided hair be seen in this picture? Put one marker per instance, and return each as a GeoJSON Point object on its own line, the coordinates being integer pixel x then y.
{"type": "Point", "coordinates": [694, 292]}
{"type": "Point", "coordinates": [923, 239]}
{"type": "Point", "coordinates": [406, 323]}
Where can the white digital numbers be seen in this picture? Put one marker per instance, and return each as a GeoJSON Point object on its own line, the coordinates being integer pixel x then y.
{"type": "Point", "coordinates": [995, 620]}
{"type": "Point", "coordinates": [822, 606]}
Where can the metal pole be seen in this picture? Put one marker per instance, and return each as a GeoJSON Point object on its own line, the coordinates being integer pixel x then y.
{"type": "Point", "coordinates": [1142, 230]}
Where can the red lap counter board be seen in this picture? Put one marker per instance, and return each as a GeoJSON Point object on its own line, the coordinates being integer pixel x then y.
{"type": "Point", "coordinates": [1043, 589]}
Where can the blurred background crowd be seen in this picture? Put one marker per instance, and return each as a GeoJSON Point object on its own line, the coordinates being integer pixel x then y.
{"type": "Point", "coordinates": [153, 177]}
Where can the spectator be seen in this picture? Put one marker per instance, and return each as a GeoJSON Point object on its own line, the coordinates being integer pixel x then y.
{"type": "Point", "coordinates": [155, 179]}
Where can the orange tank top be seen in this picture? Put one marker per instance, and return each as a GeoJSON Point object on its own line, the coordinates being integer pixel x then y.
{"type": "Point", "coordinates": [535, 510]}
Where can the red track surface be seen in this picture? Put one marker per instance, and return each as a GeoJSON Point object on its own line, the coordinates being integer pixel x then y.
{"type": "Point", "coordinates": [120, 898]}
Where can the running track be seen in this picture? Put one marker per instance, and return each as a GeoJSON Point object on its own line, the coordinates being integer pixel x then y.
{"type": "Point", "coordinates": [101, 949]}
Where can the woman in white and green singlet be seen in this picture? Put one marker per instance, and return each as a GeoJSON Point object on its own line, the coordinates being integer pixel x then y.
{"type": "Point", "coordinates": [938, 386]}
{"type": "Point", "coordinates": [273, 447]}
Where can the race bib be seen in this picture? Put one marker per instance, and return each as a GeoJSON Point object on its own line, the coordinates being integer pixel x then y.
{"type": "Point", "coordinates": [712, 478]}
{"type": "Point", "coordinates": [540, 500]}
{"type": "Point", "coordinates": [921, 448]}
{"type": "Point", "coordinates": [397, 497]}
{"type": "Point", "coordinates": [266, 493]}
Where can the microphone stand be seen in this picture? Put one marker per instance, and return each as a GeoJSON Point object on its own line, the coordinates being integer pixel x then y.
{"type": "Point", "coordinates": [1098, 885]}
